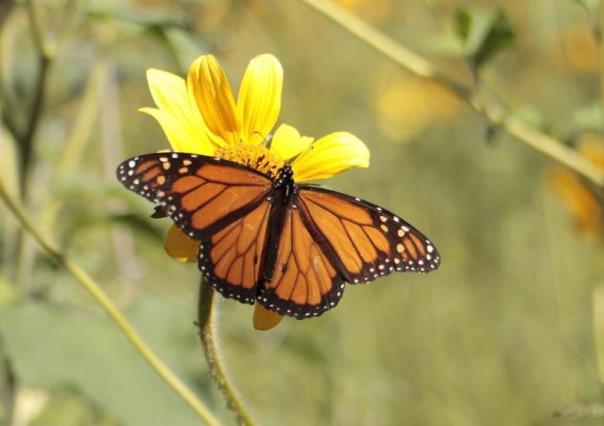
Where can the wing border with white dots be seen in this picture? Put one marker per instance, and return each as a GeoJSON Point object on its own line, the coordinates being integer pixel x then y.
{"type": "Point", "coordinates": [160, 193]}
{"type": "Point", "coordinates": [396, 226]}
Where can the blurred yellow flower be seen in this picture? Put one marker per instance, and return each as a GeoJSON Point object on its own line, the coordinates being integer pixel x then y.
{"type": "Point", "coordinates": [370, 10]}
{"type": "Point", "coordinates": [407, 105]}
{"type": "Point", "coordinates": [578, 196]}
{"type": "Point", "coordinates": [200, 116]}
{"type": "Point", "coordinates": [579, 50]}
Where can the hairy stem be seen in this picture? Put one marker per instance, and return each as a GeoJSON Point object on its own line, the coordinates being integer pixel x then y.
{"type": "Point", "coordinates": [206, 317]}
{"type": "Point", "coordinates": [111, 309]}
{"type": "Point", "coordinates": [495, 114]}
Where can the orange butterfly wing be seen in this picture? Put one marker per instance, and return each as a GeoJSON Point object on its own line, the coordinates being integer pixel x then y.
{"type": "Point", "coordinates": [367, 240]}
{"type": "Point", "coordinates": [201, 194]}
{"type": "Point", "coordinates": [329, 238]}
{"type": "Point", "coordinates": [231, 258]}
{"type": "Point", "coordinates": [220, 203]}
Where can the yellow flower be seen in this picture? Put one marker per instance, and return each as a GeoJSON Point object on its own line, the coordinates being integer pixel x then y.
{"type": "Point", "coordinates": [407, 105]}
{"type": "Point", "coordinates": [578, 196]}
{"type": "Point", "coordinates": [200, 115]}
{"type": "Point", "coordinates": [578, 50]}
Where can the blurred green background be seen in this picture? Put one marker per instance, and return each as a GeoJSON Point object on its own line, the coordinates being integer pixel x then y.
{"type": "Point", "coordinates": [502, 334]}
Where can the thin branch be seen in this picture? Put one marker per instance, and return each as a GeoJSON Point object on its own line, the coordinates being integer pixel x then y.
{"type": "Point", "coordinates": [26, 140]}
{"type": "Point", "coordinates": [495, 114]}
{"type": "Point", "coordinates": [26, 144]}
{"type": "Point", "coordinates": [45, 55]}
{"type": "Point", "coordinates": [114, 313]}
{"type": "Point", "coordinates": [206, 316]}
{"type": "Point", "coordinates": [26, 137]}
{"type": "Point", "coordinates": [9, 108]}
{"type": "Point", "coordinates": [36, 27]}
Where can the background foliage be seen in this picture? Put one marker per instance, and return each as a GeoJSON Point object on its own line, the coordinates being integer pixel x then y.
{"type": "Point", "coordinates": [503, 333]}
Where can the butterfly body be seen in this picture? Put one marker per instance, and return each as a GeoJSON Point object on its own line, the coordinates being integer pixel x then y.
{"type": "Point", "coordinates": [284, 189]}
{"type": "Point", "coordinates": [268, 240]}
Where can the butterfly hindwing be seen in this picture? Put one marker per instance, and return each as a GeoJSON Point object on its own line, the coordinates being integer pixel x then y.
{"type": "Point", "coordinates": [230, 259]}
{"type": "Point", "coordinates": [200, 194]}
{"type": "Point", "coordinates": [305, 282]}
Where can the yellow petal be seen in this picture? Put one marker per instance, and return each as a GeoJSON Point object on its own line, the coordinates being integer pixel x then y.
{"type": "Point", "coordinates": [287, 142]}
{"type": "Point", "coordinates": [329, 156]}
{"type": "Point", "coordinates": [178, 117]}
{"type": "Point", "coordinates": [259, 100]}
{"type": "Point", "coordinates": [209, 86]}
{"type": "Point", "coordinates": [181, 247]}
{"type": "Point", "coordinates": [180, 140]}
{"type": "Point", "coordinates": [265, 319]}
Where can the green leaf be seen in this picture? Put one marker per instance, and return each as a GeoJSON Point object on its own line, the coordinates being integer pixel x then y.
{"type": "Point", "coordinates": [483, 34]}
{"type": "Point", "coordinates": [57, 348]}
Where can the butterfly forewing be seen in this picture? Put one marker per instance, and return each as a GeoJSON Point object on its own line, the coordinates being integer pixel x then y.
{"type": "Point", "coordinates": [365, 241]}
{"type": "Point", "coordinates": [201, 194]}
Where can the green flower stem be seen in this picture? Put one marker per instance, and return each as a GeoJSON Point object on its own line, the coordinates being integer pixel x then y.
{"type": "Point", "coordinates": [206, 317]}
{"type": "Point", "coordinates": [114, 313]}
{"type": "Point", "coordinates": [495, 114]}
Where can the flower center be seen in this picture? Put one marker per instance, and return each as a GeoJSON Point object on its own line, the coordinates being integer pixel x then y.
{"type": "Point", "coordinates": [256, 157]}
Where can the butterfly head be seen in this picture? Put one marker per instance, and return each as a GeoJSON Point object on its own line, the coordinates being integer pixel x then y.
{"type": "Point", "coordinates": [285, 183]}
{"type": "Point", "coordinates": [285, 177]}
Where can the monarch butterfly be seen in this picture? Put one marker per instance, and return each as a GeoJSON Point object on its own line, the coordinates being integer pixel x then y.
{"type": "Point", "coordinates": [265, 239]}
